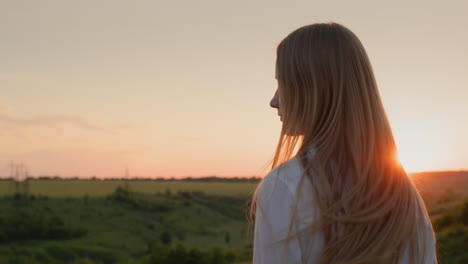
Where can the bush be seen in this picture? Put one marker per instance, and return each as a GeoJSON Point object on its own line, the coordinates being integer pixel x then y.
{"type": "Point", "coordinates": [164, 254]}
{"type": "Point", "coordinates": [181, 235]}
{"type": "Point", "coordinates": [159, 253]}
{"type": "Point", "coordinates": [232, 256]}
{"type": "Point", "coordinates": [166, 238]}
{"type": "Point", "coordinates": [195, 256]}
{"type": "Point", "coordinates": [452, 247]}
{"type": "Point", "coordinates": [123, 196]}
{"type": "Point", "coordinates": [453, 217]}
{"type": "Point", "coordinates": [61, 253]}
{"type": "Point", "coordinates": [86, 199]}
{"type": "Point", "coordinates": [184, 194]}
{"type": "Point", "coordinates": [25, 226]}
{"type": "Point", "coordinates": [217, 256]}
{"type": "Point", "coordinates": [96, 255]}
{"type": "Point", "coordinates": [464, 214]}
{"type": "Point", "coordinates": [446, 220]}
{"type": "Point", "coordinates": [177, 255]}
{"type": "Point", "coordinates": [232, 207]}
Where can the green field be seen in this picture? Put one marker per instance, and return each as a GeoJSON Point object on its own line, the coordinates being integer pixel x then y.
{"type": "Point", "coordinates": [122, 228]}
{"type": "Point", "coordinates": [94, 221]}
{"type": "Point", "coordinates": [78, 188]}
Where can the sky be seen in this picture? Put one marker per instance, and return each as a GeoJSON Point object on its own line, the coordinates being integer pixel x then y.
{"type": "Point", "coordinates": [182, 88]}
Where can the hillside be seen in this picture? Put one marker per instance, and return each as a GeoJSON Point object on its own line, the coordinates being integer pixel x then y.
{"type": "Point", "coordinates": [117, 221]}
{"type": "Point", "coordinates": [120, 228]}
{"type": "Point", "coordinates": [441, 190]}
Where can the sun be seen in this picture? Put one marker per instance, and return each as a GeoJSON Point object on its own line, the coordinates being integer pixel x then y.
{"type": "Point", "coordinates": [416, 149]}
{"type": "Point", "coordinates": [413, 160]}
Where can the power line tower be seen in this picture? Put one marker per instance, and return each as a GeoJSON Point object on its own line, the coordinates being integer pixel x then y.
{"type": "Point", "coordinates": [26, 183]}
{"type": "Point", "coordinates": [16, 179]}
{"type": "Point", "coordinates": [11, 172]}
{"type": "Point", "coordinates": [19, 180]}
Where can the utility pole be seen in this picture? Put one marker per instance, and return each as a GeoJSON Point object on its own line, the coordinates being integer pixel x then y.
{"type": "Point", "coordinates": [11, 170]}
{"type": "Point", "coordinates": [16, 179]}
{"type": "Point", "coordinates": [26, 184]}
{"type": "Point", "coordinates": [19, 182]}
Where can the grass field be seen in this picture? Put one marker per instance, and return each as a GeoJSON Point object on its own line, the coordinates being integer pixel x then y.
{"type": "Point", "coordinates": [121, 231]}
{"type": "Point", "coordinates": [195, 214]}
{"type": "Point", "coordinates": [79, 188]}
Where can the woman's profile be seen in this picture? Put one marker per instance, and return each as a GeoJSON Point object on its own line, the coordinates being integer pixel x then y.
{"type": "Point", "coordinates": [336, 192]}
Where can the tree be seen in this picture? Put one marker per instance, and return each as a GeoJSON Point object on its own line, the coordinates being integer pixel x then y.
{"type": "Point", "coordinates": [159, 253]}
{"type": "Point", "coordinates": [166, 238]}
{"type": "Point", "coordinates": [217, 256]}
{"type": "Point", "coordinates": [227, 238]}
{"type": "Point", "coordinates": [178, 255]}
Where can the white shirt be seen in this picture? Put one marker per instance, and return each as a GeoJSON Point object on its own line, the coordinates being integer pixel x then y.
{"type": "Point", "coordinates": [276, 198]}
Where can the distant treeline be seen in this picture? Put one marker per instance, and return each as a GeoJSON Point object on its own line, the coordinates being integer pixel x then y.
{"type": "Point", "coordinates": [200, 179]}
{"type": "Point", "coordinates": [431, 174]}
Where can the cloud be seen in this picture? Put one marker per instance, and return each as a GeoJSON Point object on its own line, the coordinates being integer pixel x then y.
{"type": "Point", "coordinates": [7, 117]}
{"type": "Point", "coordinates": [48, 121]}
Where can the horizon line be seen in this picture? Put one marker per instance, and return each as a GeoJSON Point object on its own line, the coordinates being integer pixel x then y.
{"type": "Point", "coordinates": [141, 177]}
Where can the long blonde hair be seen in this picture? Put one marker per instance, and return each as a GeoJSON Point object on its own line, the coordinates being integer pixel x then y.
{"type": "Point", "coordinates": [331, 103]}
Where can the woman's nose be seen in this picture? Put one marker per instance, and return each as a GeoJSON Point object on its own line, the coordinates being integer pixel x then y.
{"type": "Point", "coordinates": [274, 100]}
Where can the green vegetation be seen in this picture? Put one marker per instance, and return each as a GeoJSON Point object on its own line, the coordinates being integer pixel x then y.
{"type": "Point", "coordinates": [124, 227]}
{"type": "Point", "coordinates": [166, 221]}
{"type": "Point", "coordinates": [78, 188]}
{"type": "Point", "coordinates": [26, 226]}
{"type": "Point", "coordinates": [452, 234]}
{"type": "Point", "coordinates": [457, 217]}
{"type": "Point", "coordinates": [164, 254]}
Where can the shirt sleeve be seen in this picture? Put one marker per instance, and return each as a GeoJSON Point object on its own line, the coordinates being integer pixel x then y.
{"type": "Point", "coordinates": [272, 219]}
{"type": "Point", "coordinates": [430, 243]}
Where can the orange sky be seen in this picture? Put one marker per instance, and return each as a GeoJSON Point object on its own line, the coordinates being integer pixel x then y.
{"type": "Point", "coordinates": [170, 88]}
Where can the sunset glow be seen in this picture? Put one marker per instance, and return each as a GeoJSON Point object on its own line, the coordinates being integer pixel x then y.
{"type": "Point", "coordinates": [89, 90]}
{"type": "Point", "coordinates": [414, 161]}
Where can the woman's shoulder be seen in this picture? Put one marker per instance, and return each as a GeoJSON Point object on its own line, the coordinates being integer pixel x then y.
{"type": "Point", "coordinates": [288, 173]}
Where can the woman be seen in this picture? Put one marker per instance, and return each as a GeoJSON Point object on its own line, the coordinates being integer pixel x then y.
{"type": "Point", "coordinates": [336, 193]}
